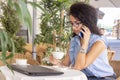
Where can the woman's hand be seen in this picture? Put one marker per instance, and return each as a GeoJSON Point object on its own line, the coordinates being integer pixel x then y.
{"type": "Point", "coordinates": [54, 61]}
{"type": "Point", "coordinates": [86, 36]}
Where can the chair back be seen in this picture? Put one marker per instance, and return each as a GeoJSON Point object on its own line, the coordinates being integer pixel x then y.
{"type": "Point", "coordinates": [111, 54]}
{"type": "Point", "coordinates": [116, 67]}
{"type": "Point", "coordinates": [27, 56]}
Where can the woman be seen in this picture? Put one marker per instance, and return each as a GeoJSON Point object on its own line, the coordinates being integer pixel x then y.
{"type": "Point", "coordinates": [102, 31]}
{"type": "Point", "coordinates": [88, 51]}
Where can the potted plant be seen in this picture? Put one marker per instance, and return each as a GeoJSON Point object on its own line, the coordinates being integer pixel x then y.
{"type": "Point", "coordinates": [11, 24]}
{"type": "Point", "coordinates": [14, 15]}
{"type": "Point", "coordinates": [52, 23]}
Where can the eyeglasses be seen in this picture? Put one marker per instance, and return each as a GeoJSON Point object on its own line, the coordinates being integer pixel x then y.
{"type": "Point", "coordinates": [75, 24]}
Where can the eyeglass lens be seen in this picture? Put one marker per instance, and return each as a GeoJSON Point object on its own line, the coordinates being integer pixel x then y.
{"type": "Point", "coordinates": [75, 24]}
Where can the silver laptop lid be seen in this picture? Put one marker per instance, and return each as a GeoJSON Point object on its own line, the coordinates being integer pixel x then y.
{"type": "Point", "coordinates": [35, 70]}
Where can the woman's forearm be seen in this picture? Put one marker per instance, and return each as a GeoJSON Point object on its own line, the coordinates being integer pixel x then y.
{"type": "Point", "coordinates": [85, 59]}
{"type": "Point", "coordinates": [80, 62]}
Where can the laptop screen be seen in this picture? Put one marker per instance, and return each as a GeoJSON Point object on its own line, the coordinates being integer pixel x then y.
{"type": "Point", "coordinates": [35, 70]}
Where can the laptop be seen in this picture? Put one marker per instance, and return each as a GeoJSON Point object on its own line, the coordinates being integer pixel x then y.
{"type": "Point", "coordinates": [35, 70]}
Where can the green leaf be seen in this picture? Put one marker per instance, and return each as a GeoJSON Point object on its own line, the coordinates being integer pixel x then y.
{"type": "Point", "coordinates": [13, 50]}
{"type": "Point", "coordinates": [26, 15]}
{"type": "Point", "coordinates": [9, 2]}
{"type": "Point", "coordinates": [9, 56]}
{"type": "Point", "coordinates": [13, 46]}
{"type": "Point", "coordinates": [19, 12]}
{"type": "Point", "coordinates": [5, 41]}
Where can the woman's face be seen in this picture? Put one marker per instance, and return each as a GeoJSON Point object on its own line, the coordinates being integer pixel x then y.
{"type": "Point", "coordinates": [76, 24]}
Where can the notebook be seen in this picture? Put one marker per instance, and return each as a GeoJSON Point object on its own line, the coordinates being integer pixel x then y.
{"type": "Point", "coordinates": [34, 70]}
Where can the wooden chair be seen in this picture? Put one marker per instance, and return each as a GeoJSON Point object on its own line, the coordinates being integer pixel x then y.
{"type": "Point", "coordinates": [115, 64]}
{"type": "Point", "coordinates": [27, 56]}
{"type": "Point", "coordinates": [40, 50]}
{"type": "Point", "coordinates": [116, 67]}
{"type": "Point", "coordinates": [118, 78]}
{"type": "Point", "coordinates": [111, 54]}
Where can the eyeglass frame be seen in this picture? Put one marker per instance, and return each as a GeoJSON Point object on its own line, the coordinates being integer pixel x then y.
{"type": "Point", "coordinates": [75, 24]}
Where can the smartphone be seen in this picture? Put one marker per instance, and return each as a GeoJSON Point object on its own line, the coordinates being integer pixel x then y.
{"type": "Point", "coordinates": [81, 34]}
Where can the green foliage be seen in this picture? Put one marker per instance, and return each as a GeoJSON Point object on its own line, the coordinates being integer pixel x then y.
{"type": "Point", "coordinates": [6, 41]}
{"type": "Point", "coordinates": [19, 45]}
{"type": "Point", "coordinates": [51, 19]}
{"type": "Point", "coordinates": [11, 24]}
{"type": "Point", "coordinates": [10, 20]}
{"type": "Point", "coordinates": [20, 6]}
{"type": "Point", "coordinates": [23, 13]}
{"type": "Point", "coordinates": [14, 15]}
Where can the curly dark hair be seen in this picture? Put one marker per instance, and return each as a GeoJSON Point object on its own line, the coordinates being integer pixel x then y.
{"type": "Point", "coordinates": [86, 14]}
